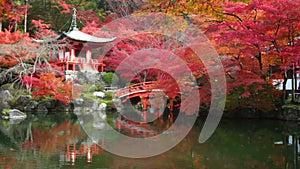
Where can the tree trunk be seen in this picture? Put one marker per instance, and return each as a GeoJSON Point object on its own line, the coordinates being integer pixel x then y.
{"type": "Point", "coordinates": [0, 25]}
{"type": "Point", "coordinates": [16, 26]}
{"type": "Point", "coordinates": [293, 84]}
{"type": "Point", "coordinates": [259, 58]}
{"type": "Point", "coordinates": [25, 16]}
{"type": "Point", "coordinates": [284, 87]}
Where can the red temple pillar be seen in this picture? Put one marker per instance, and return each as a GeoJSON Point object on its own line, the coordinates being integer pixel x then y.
{"type": "Point", "coordinates": [102, 65]}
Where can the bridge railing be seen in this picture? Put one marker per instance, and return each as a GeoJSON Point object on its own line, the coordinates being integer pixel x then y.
{"type": "Point", "coordinates": [135, 88]}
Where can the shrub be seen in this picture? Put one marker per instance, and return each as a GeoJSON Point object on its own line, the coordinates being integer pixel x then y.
{"type": "Point", "coordinates": [109, 77]}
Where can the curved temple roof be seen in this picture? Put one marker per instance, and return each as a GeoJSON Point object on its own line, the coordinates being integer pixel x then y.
{"type": "Point", "coordinates": [75, 34]}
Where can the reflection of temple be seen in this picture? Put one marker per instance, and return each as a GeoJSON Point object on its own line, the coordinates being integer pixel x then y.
{"type": "Point", "coordinates": [68, 157]}
{"type": "Point", "coordinates": [293, 151]}
{"type": "Point", "coordinates": [292, 156]}
{"type": "Point", "coordinates": [79, 54]}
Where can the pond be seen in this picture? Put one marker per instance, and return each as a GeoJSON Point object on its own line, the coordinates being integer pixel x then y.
{"type": "Point", "coordinates": [59, 141]}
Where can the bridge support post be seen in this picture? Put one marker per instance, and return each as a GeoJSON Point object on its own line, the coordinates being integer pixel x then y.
{"type": "Point", "coordinates": [145, 106]}
{"type": "Point", "coordinates": [145, 116]}
{"type": "Point", "coordinates": [119, 125]}
{"type": "Point", "coordinates": [172, 117]}
{"type": "Point", "coordinates": [171, 104]}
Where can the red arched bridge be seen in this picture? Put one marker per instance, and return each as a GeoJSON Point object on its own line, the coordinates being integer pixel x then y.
{"type": "Point", "coordinates": [142, 90]}
{"type": "Point", "coordinates": [135, 90]}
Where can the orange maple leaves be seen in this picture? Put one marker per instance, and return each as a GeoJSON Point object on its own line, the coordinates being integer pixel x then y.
{"type": "Point", "coordinates": [50, 86]}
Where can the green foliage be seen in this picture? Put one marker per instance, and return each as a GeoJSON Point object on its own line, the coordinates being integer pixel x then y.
{"type": "Point", "coordinates": [88, 88]}
{"type": "Point", "coordinates": [265, 99]}
{"type": "Point", "coordinates": [5, 112]}
{"type": "Point", "coordinates": [109, 77]}
{"type": "Point", "coordinates": [108, 100]}
{"type": "Point", "coordinates": [234, 98]}
{"type": "Point", "coordinates": [6, 86]}
{"type": "Point", "coordinates": [109, 95]}
{"type": "Point", "coordinates": [89, 96]}
{"type": "Point", "coordinates": [99, 87]}
{"type": "Point", "coordinates": [17, 93]}
{"type": "Point", "coordinates": [94, 88]}
{"type": "Point", "coordinates": [110, 104]}
{"type": "Point", "coordinates": [42, 99]}
{"type": "Point", "coordinates": [111, 122]}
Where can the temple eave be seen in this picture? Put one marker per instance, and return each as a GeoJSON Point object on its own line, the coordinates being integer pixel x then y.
{"type": "Point", "coordinates": [83, 37]}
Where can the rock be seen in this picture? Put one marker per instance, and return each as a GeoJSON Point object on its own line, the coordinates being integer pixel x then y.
{"type": "Point", "coordinates": [78, 102]}
{"type": "Point", "coordinates": [15, 121]}
{"type": "Point", "coordinates": [290, 113]}
{"type": "Point", "coordinates": [23, 100]}
{"type": "Point", "coordinates": [95, 105]}
{"type": "Point", "coordinates": [84, 77]}
{"type": "Point", "coordinates": [102, 115]}
{"type": "Point", "coordinates": [5, 95]}
{"type": "Point", "coordinates": [31, 106]}
{"type": "Point", "coordinates": [88, 103]}
{"type": "Point", "coordinates": [99, 94]}
{"type": "Point", "coordinates": [20, 102]}
{"type": "Point", "coordinates": [4, 105]}
{"type": "Point", "coordinates": [42, 108]}
{"type": "Point", "coordinates": [16, 114]}
{"type": "Point", "coordinates": [5, 117]}
{"type": "Point", "coordinates": [102, 106]}
{"type": "Point", "coordinates": [118, 105]}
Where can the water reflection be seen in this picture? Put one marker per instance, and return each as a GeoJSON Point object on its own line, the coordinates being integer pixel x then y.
{"type": "Point", "coordinates": [292, 150]}
{"type": "Point", "coordinates": [58, 141]}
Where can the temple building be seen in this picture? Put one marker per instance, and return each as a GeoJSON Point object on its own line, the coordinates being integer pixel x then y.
{"type": "Point", "coordinates": [78, 54]}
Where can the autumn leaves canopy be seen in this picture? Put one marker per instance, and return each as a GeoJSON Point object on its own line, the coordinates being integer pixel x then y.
{"type": "Point", "coordinates": [252, 37]}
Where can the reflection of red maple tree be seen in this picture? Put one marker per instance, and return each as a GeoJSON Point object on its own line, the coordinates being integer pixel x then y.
{"type": "Point", "coordinates": [9, 162]}
{"type": "Point", "coordinates": [49, 141]}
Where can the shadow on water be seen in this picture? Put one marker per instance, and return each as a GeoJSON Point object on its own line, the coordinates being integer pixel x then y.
{"type": "Point", "coordinates": [58, 141]}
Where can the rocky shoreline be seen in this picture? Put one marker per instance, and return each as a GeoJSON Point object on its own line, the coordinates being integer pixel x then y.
{"type": "Point", "coordinates": [27, 104]}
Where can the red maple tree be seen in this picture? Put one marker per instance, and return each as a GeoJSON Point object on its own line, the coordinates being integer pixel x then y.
{"type": "Point", "coordinates": [253, 37]}
{"type": "Point", "coordinates": [47, 85]}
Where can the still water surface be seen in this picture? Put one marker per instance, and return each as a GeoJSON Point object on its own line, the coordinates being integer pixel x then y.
{"type": "Point", "coordinates": [58, 141]}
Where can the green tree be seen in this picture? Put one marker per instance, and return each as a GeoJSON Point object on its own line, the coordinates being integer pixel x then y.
{"type": "Point", "coordinates": [109, 77]}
